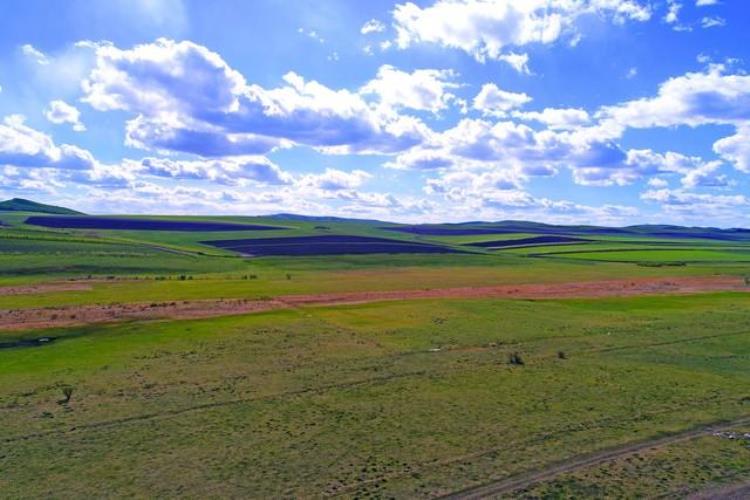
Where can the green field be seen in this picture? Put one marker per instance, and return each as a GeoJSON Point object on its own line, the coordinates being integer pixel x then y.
{"type": "Point", "coordinates": [404, 399]}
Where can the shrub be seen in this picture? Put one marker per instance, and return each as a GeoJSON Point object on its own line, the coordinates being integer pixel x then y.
{"type": "Point", "coordinates": [562, 355]}
{"type": "Point", "coordinates": [67, 394]}
{"type": "Point", "coordinates": [515, 358]}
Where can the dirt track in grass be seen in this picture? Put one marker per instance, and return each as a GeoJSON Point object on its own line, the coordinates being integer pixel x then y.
{"type": "Point", "coordinates": [508, 486]}
{"type": "Point", "coordinates": [20, 319]}
{"type": "Point", "coordinates": [43, 288]}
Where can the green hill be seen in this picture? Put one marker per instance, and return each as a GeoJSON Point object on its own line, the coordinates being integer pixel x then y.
{"type": "Point", "coordinates": [21, 205]}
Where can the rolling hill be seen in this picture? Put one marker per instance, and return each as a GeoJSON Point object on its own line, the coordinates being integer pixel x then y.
{"type": "Point", "coordinates": [22, 205]}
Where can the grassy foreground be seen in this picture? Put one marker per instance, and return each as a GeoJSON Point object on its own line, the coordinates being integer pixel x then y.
{"type": "Point", "coordinates": [411, 399]}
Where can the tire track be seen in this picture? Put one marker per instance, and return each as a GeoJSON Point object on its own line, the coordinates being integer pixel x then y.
{"type": "Point", "coordinates": [524, 480]}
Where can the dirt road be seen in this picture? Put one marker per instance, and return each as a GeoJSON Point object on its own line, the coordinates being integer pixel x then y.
{"type": "Point", "coordinates": [512, 484]}
{"type": "Point", "coordinates": [18, 319]}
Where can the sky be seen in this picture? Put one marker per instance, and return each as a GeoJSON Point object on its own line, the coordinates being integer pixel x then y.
{"type": "Point", "coordinates": [610, 112]}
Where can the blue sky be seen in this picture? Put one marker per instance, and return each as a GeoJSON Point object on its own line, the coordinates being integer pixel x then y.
{"type": "Point", "coordinates": [587, 111]}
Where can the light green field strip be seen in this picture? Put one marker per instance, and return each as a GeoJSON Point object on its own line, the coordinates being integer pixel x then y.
{"type": "Point", "coordinates": [660, 255]}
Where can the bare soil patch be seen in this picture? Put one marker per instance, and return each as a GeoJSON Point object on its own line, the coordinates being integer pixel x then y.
{"type": "Point", "coordinates": [18, 319]}
{"type": "Point", "coordinates": [43, 288]}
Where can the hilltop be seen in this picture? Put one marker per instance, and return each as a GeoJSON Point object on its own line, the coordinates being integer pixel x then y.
{"type": "Point", "coordinates": [22, 205]}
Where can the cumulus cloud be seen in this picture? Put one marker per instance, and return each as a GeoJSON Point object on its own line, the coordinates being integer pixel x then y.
{"type": "Point", "coordinates": [335, 180]}
{"type": "Point", "coordinates": [736, 148]}
{"type": "Point", "coordinates": [706, 176]}
{"type": "Point", "coordinates": [422, 89]}
{"type": "Point", "coordinates": [223, 171]}
{"type": "Point", "coordinates": [485, 28]}
{"type": "Point", "coordinates": [60, 112]}
{"type": "Point", "coordinates": [22, 146]}
{"type": "Point", "coordinates": [498, 194]}
{"type": "Point", "coordinates": [556, 118]}
{"type": "Point", "coordinates": [701, 206]}
{"type": "Point", "coordinates": [694, 99]}
{"type": "Point", "coordinates": [188, 99]}
{"type": "Point", "coordinates": [492, 100]}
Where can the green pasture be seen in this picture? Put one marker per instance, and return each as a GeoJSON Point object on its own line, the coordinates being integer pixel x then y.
{"type": "Point", "coordinates": [405, 399]}
{"type": "Point", "coordinates": [672, 255]}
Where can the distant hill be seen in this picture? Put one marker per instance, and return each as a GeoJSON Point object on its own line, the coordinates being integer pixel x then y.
{"type": "Point", "coordinates": [512, 226]}
{"type": "Point", "coordinates": [320, 218]}
{"type": "Point", "coordinates": [21, 205]}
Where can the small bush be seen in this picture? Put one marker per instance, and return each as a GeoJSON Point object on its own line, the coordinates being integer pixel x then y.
{"type": "Point", "coordinates": [67, 394]}
{"type": "Point", "coordinates": [562, 355]}
{"type": "Point", "coordinates": [515, 358]}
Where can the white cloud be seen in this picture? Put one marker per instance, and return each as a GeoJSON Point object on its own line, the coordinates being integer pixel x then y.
{"type": "Point", "coordinates": [706, 176]}
{"type": "Point", "coordinates": [422, 89]}
{"type": "Point", "coordinates": [519, 62]}
{"type": "Point", "coordinates": [372, 26]}
{"type": "Point", "coordinates": [335, 180]}
{"type": "Point", "coordinates": [22, 146]}
{"type": "Point", "coordinates": [713, 22]}
{"type": "Point", "coordinates": [186, 98]}
{"type": "Point", "coordinates": [485, 28]}
{"type": "Point", "coordinates": [497, 194]}
{"type": "Point", "coordinates": [673, 12]}
{"type": "Point", "coordinates": [700, 206]}
{"type": "Point", "coordinates": [33, 53]}
{"type": "Point", "coordinates": [493, 101]}
{"type": "Point", "coordinates": [460, 185]}
{"type": "Point", "coordinates": [223, 171]}
{"type": "Point", "coordinates": [60, 112]}
{"type": "Point", "coordinates": [694, 99]}
{"type": "Point", "coordinates": [736, 148]}
{"type": "Point", "coordinates": [657, 183]}
{"type": "Point", "coordinates": [705, 3]}
{"type": "Point", "coordinates": [556, 118]}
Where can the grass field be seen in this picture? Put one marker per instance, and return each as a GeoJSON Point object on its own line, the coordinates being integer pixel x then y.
{"type": "Point", "coordinates": [405, 399]}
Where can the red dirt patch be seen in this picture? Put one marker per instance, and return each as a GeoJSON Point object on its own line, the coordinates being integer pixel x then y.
{"type": "Point", "coordinates": [43, 288]}
{"type": "Point", "coordinates": [77, 315]}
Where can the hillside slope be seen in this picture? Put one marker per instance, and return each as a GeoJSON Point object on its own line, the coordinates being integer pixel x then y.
{"type": "Point", "coordinates": [22, 205]}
